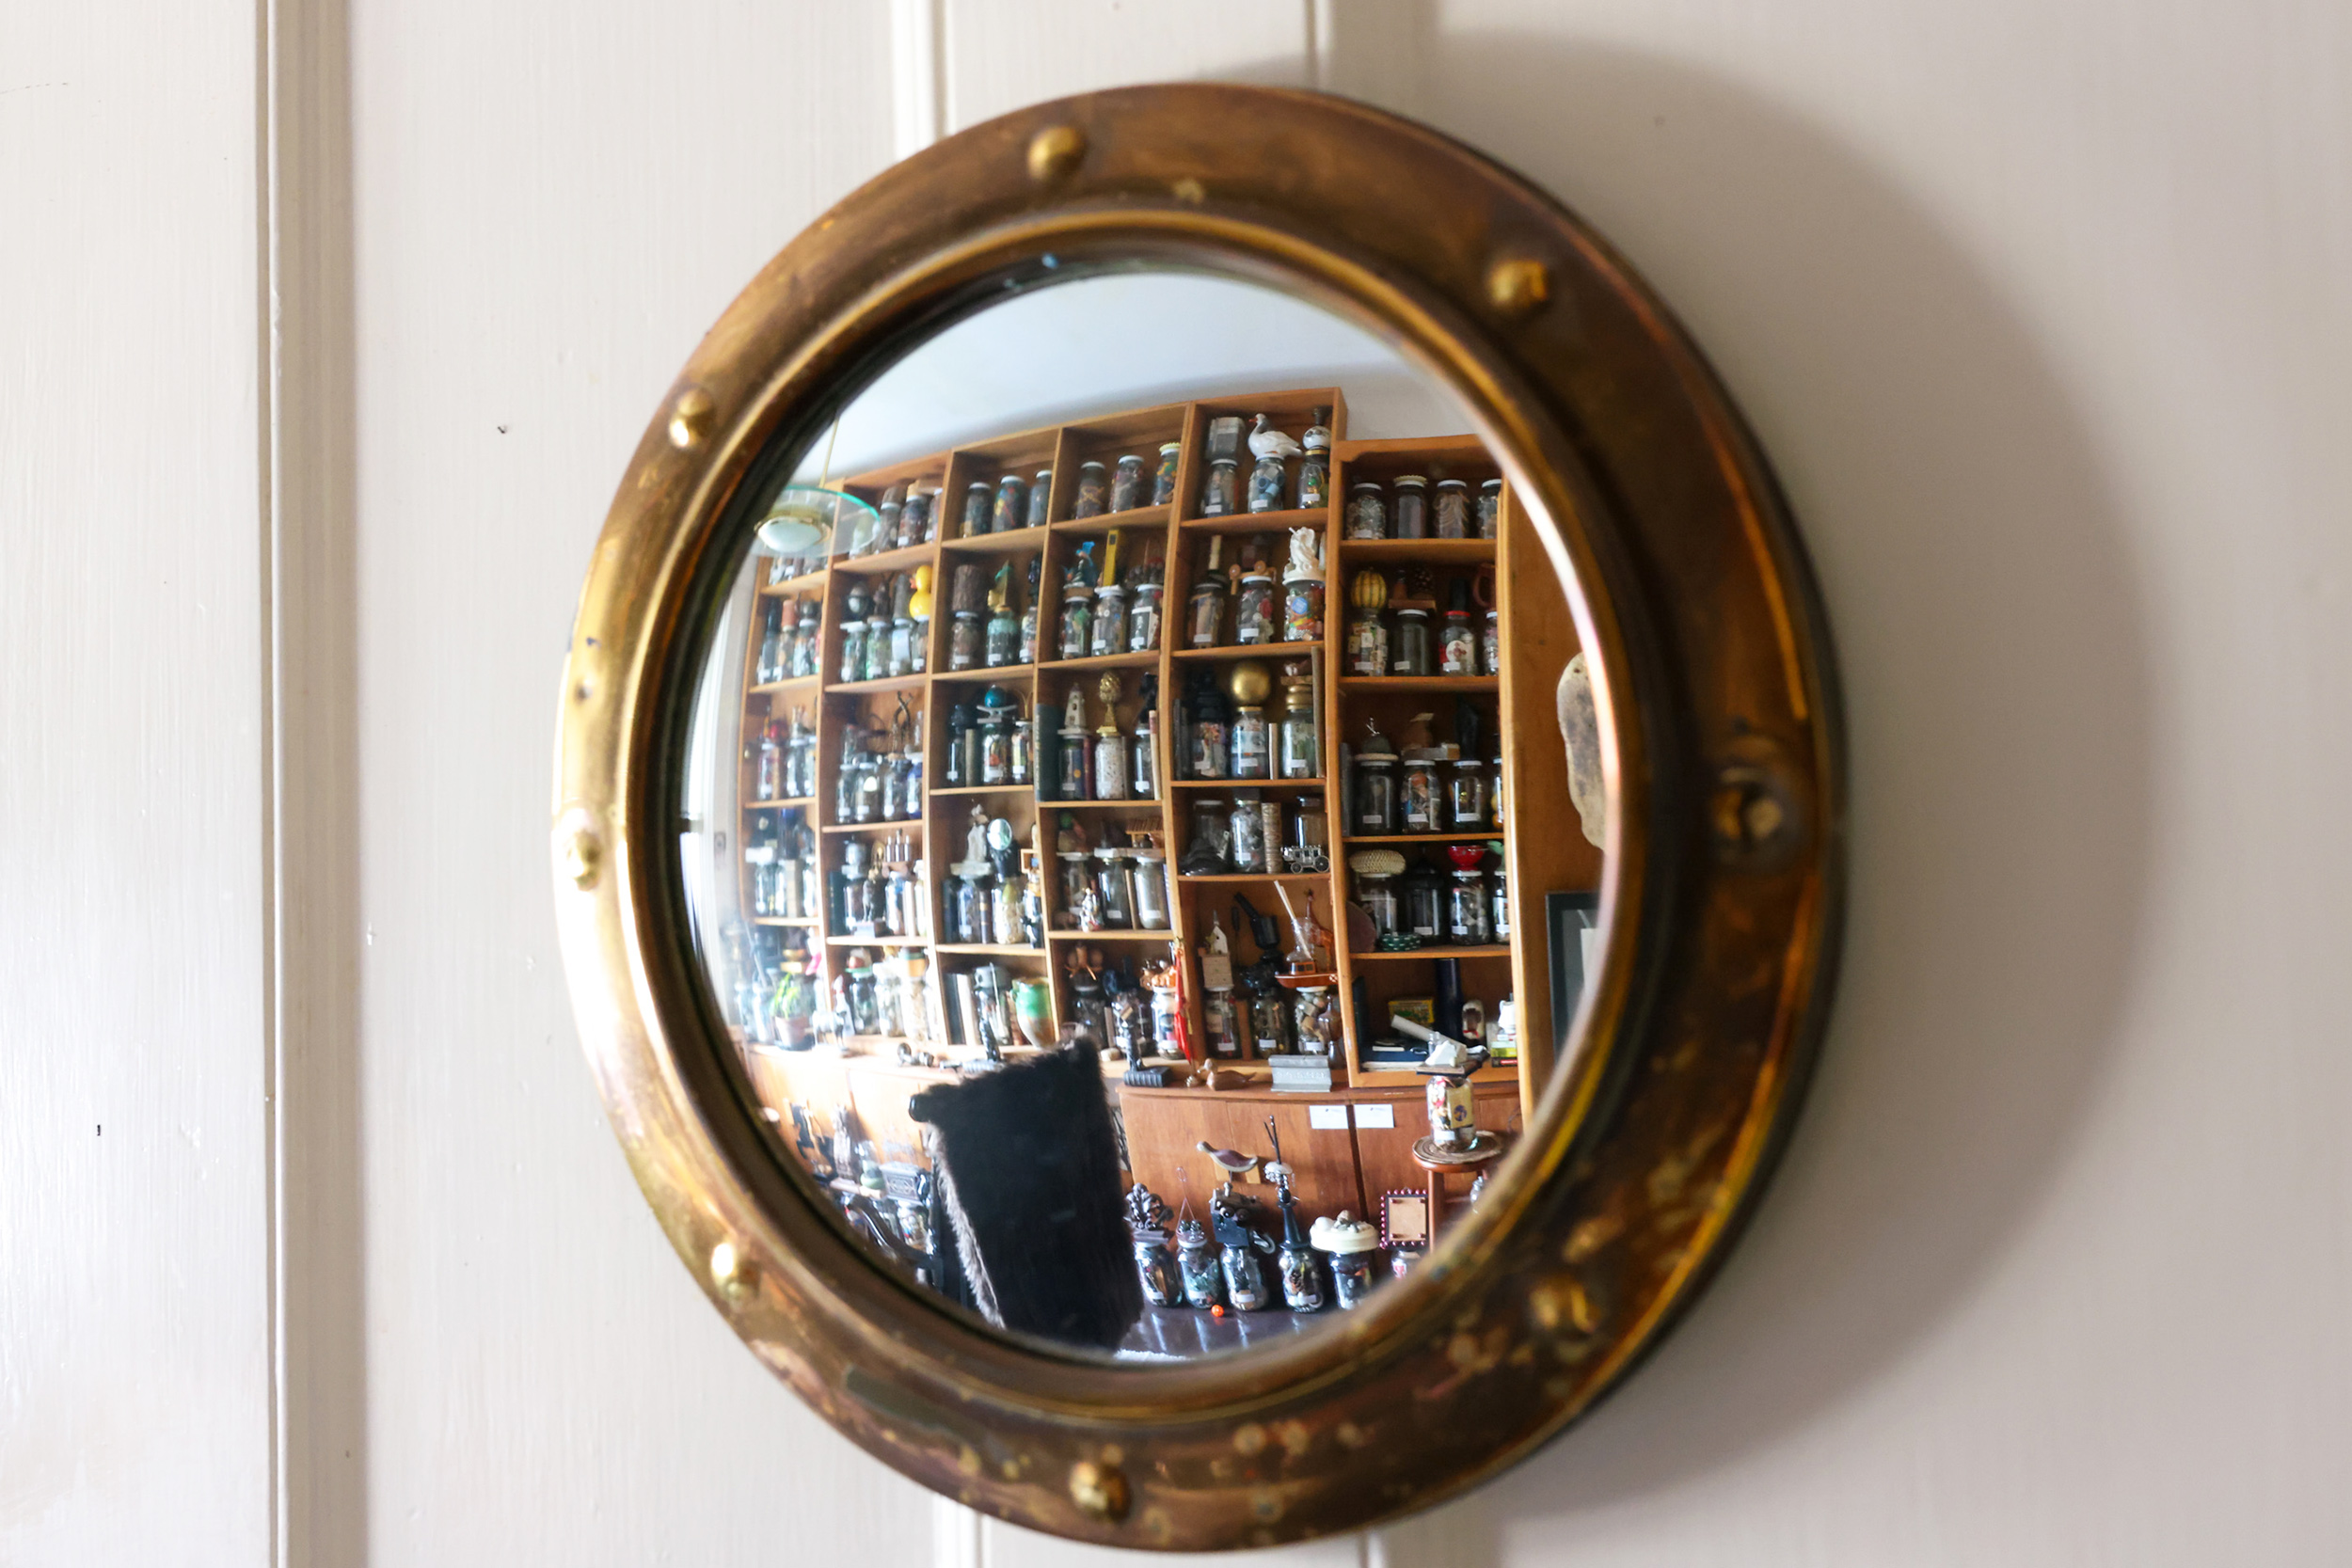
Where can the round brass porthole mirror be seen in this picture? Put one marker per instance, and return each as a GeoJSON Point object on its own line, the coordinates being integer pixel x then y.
{"type": "Point", "coordinates": [1197, 823]}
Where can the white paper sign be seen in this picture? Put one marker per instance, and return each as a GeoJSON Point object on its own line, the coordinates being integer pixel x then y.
{"type": "Point", "coordinates": [1379, 1115]}
{"type": "Point", "coordinates": [1327, 1118]}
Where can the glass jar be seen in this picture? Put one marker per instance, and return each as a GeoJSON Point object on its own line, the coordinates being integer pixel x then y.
{"type": "Point", "coordinates": [1352, 1276]}
{"type": "Point", "coordinates": [1412, 507]}
{"type": "Point", "coordinates": [1164, 480]}
{"type": "Point", "coordinates": [967, 896]}
{"type": "Point", "coordinates": [1197, 1267]}
{"type": "Point", "coordinates": [1307, 838]}
{"type": "Point", "coordinates": [1143, 761]}
{"type": "Point", "coordinates": [1367, 513]}
{"type": "Point", "coordinates": [1076, 758]}
{"type": "Point", "coordinates": [1077, 875]}
{"type": "Point", "coordinates": [1311, 1028]}
{"type": "Point", "coordinates": [1093, 492]}
{"type": "Point", "coordinates": [1211, 851]}
{"type": "Point", "coordinates": [1143, 621]}
{"type": "Point", "coordinates": [963, 640]}
{"type": "Point", "coordinates": [1157, 1269]}
{"type": "Point", "coordinates": [1410, 652]}
{"type": "Point", "coordinates": [1421, 897]}
{"type": "Point", "coordinates": [1127, 484]}
{"type": "Point", "coordinates": [1465, 909]}
{"type": "Point", "coordinates": [1220, 492]}
{"type": "Point", "coordinates": [1253, 611]}
{"type": "Point", "coordinates": [1116, 886]}
{"type": "Point", "coordinates": [1110, 763]}
{"type": "Point", "coordinates": [1300, 747]}
{"type": "Point", "coordinates": [1457, 644]}
{"type": "Point", "coordinates": [1011, 510]}
{"type": "Point", "coordinates": [1000, 643]}
{"type": "Point", "coordinates": [1078, 624]}
{"type": "Point", "coordinates": [1248, 836]}
{"type": "Point", "coordinates": [1041, 497]}
{"type": "Point", "coordinates": [1024, 760]}
{"type": "Point", "coordinates": [1420, 798]}
{"type": "Point", "coordinates": [1468, 807]}
{"type": "Point", "coordinates": [995, 747]}
{"type": "Point", "coordinates": [1499, 908]}
{"type": "Point", "coordinates": [1204, 612]}
{"type": "Point", "coordinates": [1110, 620]}
{"type": "Point", "coordinates": [1367, 645]}
{"type": "Point", "coordinates": [1452, 513]}
{"type": "Point", "coordinates": [1302, 610]}
{"type": "Point", "coordinates": [975, 509]}
{"type": "Point", "coordinates": [1375, 813]}
{"type": "Point", "coordinates": [1376, 895]}
{"type": "Point", "coordinates": [1150, 884]}
{"type": "Point", "coordinates": [1491, 509]}
{"type": "Point", "coordinates": [1269, 1023]}
{"type": "Point", "coordinates": [1221, 1023]}
{"type": "Point", "coordinates": [1251, 742]}
{"type": "Point", "coordinates": [1266, 484]}
{"type": "Point", "coordinates": [852, 650]}
{"type": "Point", "coordinates": [1490, 645]}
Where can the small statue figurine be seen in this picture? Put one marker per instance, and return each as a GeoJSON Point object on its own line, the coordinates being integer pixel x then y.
{"type": "Point", "coordinates": [1270, 447]}
{"type": "Point", "coordinates": [976, 842]}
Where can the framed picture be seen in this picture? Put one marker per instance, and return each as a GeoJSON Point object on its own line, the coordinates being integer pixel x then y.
{"type": "Point", "coordinates": [1405, 1219]}
{"type": "Point", "coordinates": [1571, 927]}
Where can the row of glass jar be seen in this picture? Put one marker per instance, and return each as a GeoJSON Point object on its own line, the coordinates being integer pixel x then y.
{"type": "Point", "coordinates": [1235, 739]}
{"type": "Point", "coordinates": [1111, 620]}
{"type": "Point", "coordinates": [1407, 510]}
{"type": "Point", "coordinates": [788, 648]}
{"type": "Point", "coordinates": [1426, 907]}
{"type": "Point", "coordinates": [878, 891]}
{"type": "Point", "coordinates": [1208, 1274]}
{"type": "Point", "coordinates": [1113, 889]}
{"type": "Point", "coordinates": [1270, 488]}
{"type": "Point", "coordinates": [1254, 835]}
{"type": "Point", "coordinates": [1275, 1021]}
{"type": "Point", "coordinates": [886, 627]}
{"type": "Point", "coordinates": [1430, 794]}
{"type": "Point", "coordinates": [783, 761]}
{"type": "Point", "coordinates": [780, 867]}
{"type": "Point", "coordinates": [880, 783]}
{"type": "Point", "coordinates": [781, 1008]}
{"type": "Point", "coordinates": [1010, 503]}
{"type": "Point", "coordinates": [989, 743]}
{"type": "Point", "coordinates": [889, 999]}
{"type": "Point", "coordinates": [1465, 643]}
{"type": "Point", "coordinates": [981, 908]}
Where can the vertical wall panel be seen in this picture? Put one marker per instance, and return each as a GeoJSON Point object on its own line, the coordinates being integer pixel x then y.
{"type": "Point", "coordinates": [135, 1342]}
{"type": "Point", "coordinates": [1002, 53]}
{"type": "Point", "coordinates": [552, 202]}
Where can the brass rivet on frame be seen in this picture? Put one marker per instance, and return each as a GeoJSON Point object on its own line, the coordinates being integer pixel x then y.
{"type": "Point", "coordinates": [690, 417]}
{"type": "Point", "coordinates": [1098, 1490]}
{"type": "Point", "coordinates": [731, 1272]}
{"type": "Point", "coordinates": [1055, 152]}
{"type": "Point", "coordinates": [583, 851]}
{"type": "Point", "coordinates": [1518, 284]}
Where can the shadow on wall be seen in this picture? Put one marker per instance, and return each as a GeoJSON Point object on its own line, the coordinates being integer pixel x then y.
{"type": "Point", "coordinates": [1991, 645]}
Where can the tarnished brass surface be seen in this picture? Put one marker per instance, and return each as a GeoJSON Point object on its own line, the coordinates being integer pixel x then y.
{"type": "Point", "coordinates": [1724, 882]}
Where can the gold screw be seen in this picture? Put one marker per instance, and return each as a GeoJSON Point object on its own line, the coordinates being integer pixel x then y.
{"type": "Point", "coordinates": [1561, 1305]}
{"type": "Point", "coordinates": [1519, 285]}
{"type": "Point", "coordinates": [1098, 1490]}
{"type": "Point", "coordinates": [732, 1272]}
{"type": "Point", "coordinates": [690, 417]}
{"type": "Point", "coordinates": [1055, 152]}
{"type": "Point", "coordinates": [584, 856]}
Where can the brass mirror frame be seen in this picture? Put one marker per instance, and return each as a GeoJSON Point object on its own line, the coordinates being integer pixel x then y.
{"type": "Point", "coordinates": [1723, 888]}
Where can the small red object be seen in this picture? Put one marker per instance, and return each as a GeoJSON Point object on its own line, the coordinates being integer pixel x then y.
{"type": "Point", "coordinates": [1217, 1311]}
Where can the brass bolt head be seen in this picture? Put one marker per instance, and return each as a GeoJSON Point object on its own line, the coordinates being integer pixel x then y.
{"type": "Point", "coordinates": [689, 419]}
{"type": "Point", "coordinates": [1055, 152]}
{"type": "Point", "coordinates": [1098, 1490]}
{"type": "Point", "coordinates": [1519, 285]}
{"type": "Point", "coordinates": [732, 1272]}
{"type": "Point", "coordinates": [579, 849]}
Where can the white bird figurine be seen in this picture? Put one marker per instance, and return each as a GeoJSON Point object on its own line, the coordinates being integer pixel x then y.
{"type": "Point", "coordinates": [1265, 441]}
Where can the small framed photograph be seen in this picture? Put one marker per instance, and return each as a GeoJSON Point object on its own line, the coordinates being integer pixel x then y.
{"type": "Point", "coordinates": [1571, 927]}
{"type": "Point", "coordinates": [1405, 1219]}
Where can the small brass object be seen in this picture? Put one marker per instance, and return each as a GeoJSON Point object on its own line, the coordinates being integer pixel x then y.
{"type": "Point", "coordinates": [582, 852]}
{"type": "Point", "coordinates": [732, 1272]}
{"type": "Point", "coordinates": [1519, 285]}
{"type": "Point", "coordinates": [1055, 152]}
{"type": "Point", "coordinates": [1098, 1490]}
{"type": "Point", "coordinates": [689, 419]}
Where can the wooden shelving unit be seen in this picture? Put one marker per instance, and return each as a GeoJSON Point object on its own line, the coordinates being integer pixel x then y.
{"type": "Point", "coordinates": [1536, 634]}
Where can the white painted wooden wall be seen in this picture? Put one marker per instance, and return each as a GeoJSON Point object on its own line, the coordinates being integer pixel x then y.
{"type": "Point", "coordinates": [2044, 314]}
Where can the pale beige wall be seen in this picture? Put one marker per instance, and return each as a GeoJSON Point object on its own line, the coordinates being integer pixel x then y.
{"type": "Point", "coordinates": [2044, 314]}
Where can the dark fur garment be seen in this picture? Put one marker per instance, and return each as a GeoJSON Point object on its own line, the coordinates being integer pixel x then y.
{"type": "Point", "coordinates": [1029, 1167]}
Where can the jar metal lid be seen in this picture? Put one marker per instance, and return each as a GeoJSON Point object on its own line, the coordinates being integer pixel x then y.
{"type": "Point", "coordinates": [1411, 478]}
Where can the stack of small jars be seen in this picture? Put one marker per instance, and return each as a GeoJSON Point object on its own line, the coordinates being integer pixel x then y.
{"type": "Point", "coordinates": [1429, 788]}
{"type": "Point", "coordinates": [1407, 508]}
{"type": "Point", "coordinates": [787, 643]}
{"type": "Point", "coordinates": [906, 515]}
{"type": "Point", "coordinates": [886, 626]}
{"type": "Point", "coordinates": [1416, 903]}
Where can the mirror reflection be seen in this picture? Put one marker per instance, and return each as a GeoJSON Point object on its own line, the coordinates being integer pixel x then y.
{"type": "Point", "coordinates": [1105, 832]}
